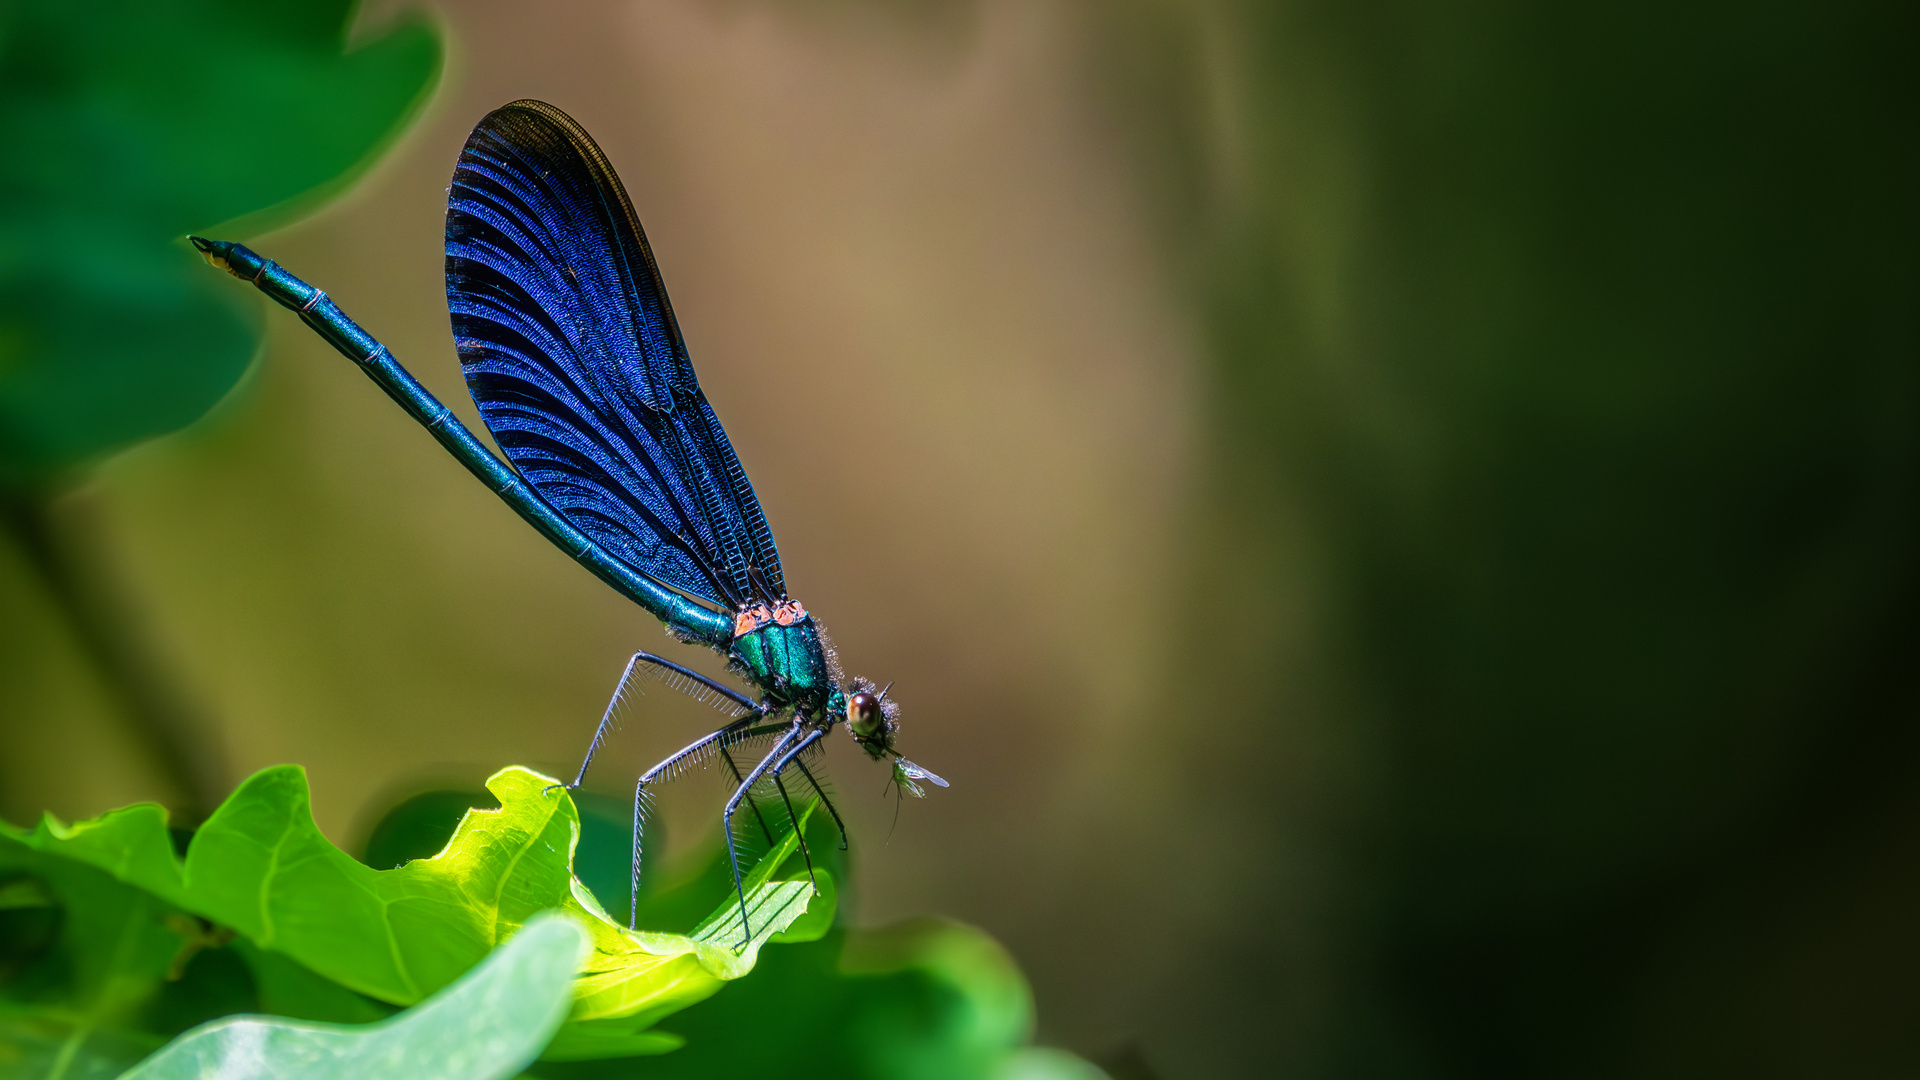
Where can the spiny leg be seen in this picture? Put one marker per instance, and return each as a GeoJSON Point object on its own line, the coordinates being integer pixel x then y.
{"type": "Point", "coordinates": [742, 728]}
{"type": "Point", "coordinates": [779, 766]}
{"type": "Point", "coordinates": [606, 719]}
{"type": "Point", "coordinates": [726, 824]}
{"type": "Point", "coordinates": [639, 816]}
{"type": "Point", "coordinates": [752, 804]}
{"type": "Point", "coordinates": [822, 792]}
{"type": "Point", "coordinates": [685, 680]}
{"type": "Point", "coordinates": [799, 833]}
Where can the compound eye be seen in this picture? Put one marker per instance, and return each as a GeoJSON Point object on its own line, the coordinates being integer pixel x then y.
{"type": "Point", "coordinates": [864, 716]}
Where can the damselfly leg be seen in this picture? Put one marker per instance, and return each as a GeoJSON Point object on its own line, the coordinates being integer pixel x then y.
{"type": "Point", "coordinates": [749, 722]}
{"type": "Point", "coordinates": [726, 822]}
{"type": "Point", "coordinates": [693, 753]}
{"type": "Point", "coordinates": [684, 680]}
{"type": "Point", "coordinates": [799, 832]}
{"type": "Point", "coordinates": [793, 757]}
{"type": "Point", "coordinates": [753, 805]}
{"type": "Point", "coordinates": [795, 740]}
{"type": "Point", "coordinates": [824, 801]}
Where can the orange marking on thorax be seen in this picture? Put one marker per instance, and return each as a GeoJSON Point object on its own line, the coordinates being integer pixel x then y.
{"type": "Point", "coordinates": [786, 613]}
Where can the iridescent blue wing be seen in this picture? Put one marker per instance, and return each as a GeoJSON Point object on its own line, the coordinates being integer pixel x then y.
{"type": "Point", "coordinates": [571, 350]}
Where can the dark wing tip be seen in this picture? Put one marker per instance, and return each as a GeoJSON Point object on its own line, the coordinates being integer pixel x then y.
{"type": "Point", "coordinates": [531, 110]}
{"type": "Point", "coordinates": [532, 122]}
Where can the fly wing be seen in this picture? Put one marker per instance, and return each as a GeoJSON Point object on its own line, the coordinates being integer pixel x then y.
{"type": "Point", "coordinates": [571, 350]}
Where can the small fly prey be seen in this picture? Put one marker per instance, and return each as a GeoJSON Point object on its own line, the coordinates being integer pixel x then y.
{"type": "Point", "coordinates": [572, 353]}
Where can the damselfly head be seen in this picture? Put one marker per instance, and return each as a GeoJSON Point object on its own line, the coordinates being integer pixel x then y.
{"type": "Point", "coordinates": [872, 717]}
{"type": "Point", "coordinates": [864, 716]}
{"type": "Point", "coordinates": [874, 720]}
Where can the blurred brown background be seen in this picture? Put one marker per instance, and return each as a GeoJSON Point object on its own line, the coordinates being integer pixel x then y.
{"type": "Point", "coordinates": [1398, 520]}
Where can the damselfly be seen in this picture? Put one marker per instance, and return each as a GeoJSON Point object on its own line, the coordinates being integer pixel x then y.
{"type": "Point", "coordinates": [572, 353]}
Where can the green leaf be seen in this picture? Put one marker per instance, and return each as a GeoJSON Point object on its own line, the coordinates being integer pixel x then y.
{"type": "Point", "coordinates": [817, 920]}
{"type": "Point", "coordinates": [285, 987]}
{"type": "Point", "coordinates": [323, 937]}
{"type": "Point", "coordinates": [419, 826]}
{"type": "Point", "coordinates": [96, 974]}
{"type": "Point", "coordinates": [130, 843]}
{"type": "Point", "coordinates": [130, 124]}
{"type": "Point", "coordinates": [926, 1000]}
{"type": "Point", "coordinates": [633, 978]}
{"type": "Point", "coordinates": [261, 867]}
{"type": "Point", "coordinates": [485, 1026]}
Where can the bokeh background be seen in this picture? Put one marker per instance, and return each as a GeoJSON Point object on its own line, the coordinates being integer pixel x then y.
{"type": "Point", "coordinates": [1397, 519]}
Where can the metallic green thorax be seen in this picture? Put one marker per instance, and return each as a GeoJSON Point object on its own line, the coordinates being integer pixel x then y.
{"type": "Point", "coordinates": [790, 664]}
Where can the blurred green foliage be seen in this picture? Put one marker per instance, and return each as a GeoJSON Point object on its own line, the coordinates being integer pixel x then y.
{"type": "Point", "coordinates": [487, 1025]}
{"type": "Point", "coordinates": [110, 942]}
{"type": "Point", "coordinates": [923, 999]}
{"type": "Point", "coordinates": [260, 869]}
{"type": "Point", "coordinates": [130, 124]}
{"type": "Point", "coordinates": [1568, 354]}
